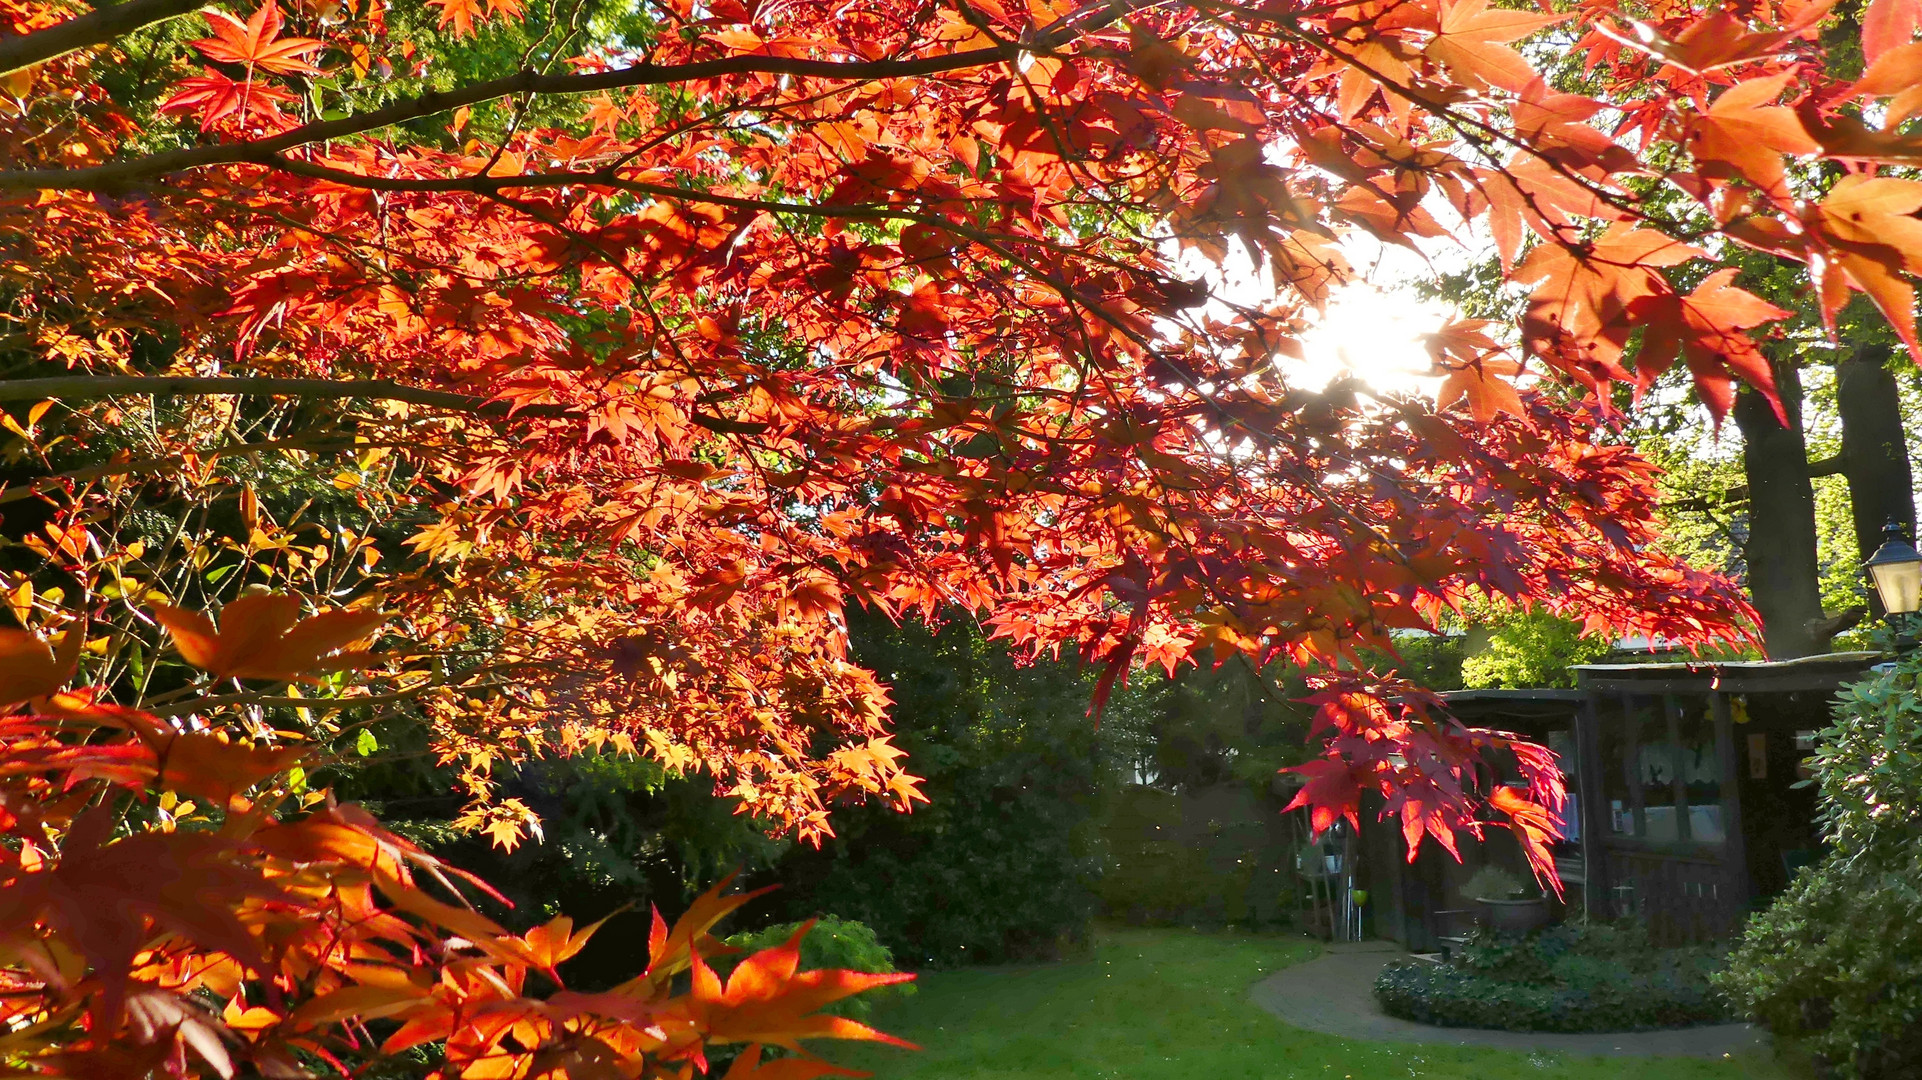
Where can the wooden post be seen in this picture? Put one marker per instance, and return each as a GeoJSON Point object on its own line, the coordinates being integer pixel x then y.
{"type": "Point", "coordinates": [1735, 846]}
{"type": "Point", "coordinates": [1593, 807]}
{"type": "Point", "coordinates": [1677, 785]}
{"type": "Point", "coordinates": [1632, 763]}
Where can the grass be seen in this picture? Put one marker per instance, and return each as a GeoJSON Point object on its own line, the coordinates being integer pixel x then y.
{"type": "Point", "coordinates": [1173, 1005]}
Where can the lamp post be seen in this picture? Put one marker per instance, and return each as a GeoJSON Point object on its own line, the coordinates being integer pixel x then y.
{"type": "Point", "coordinates": [1896, 572]}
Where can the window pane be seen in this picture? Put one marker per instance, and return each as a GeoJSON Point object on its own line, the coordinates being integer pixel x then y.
{"type": "Point", "coordinates": [1701, 771]}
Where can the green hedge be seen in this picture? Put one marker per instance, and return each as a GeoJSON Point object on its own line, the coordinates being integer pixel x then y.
{"type": "Point", "coordinates": [1837, 961]}
{"type": "Point", "coordinates": [996, 867]}
{"type": "Point", "coordinates": [832, 943]}
{"type": "Point", "coordinates": [1209, 858]}
{"type": "Point", "coordinates": [1568, 978]}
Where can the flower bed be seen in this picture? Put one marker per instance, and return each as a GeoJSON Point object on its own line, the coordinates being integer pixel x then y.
{"type": "Point", "coordinates": [1567, 978]}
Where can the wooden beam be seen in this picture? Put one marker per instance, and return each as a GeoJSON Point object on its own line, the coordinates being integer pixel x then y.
{"type": "Point", "coordinates": [1707, 682]}
{"type": "Point", "coordinates": [1735, 849]}
{"type": "Point", "coordinates": [1632, 764]}
{"type": "Point", "coordinates": [1677, 786]}
{"type": "Point", "coordinates": [1592, 806]}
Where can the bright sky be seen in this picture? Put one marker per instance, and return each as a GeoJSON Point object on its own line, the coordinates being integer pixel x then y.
{"type": "Point", "coordinates": [1372, 329]}
{"type": "Point", "coordinates": [1375, 334]}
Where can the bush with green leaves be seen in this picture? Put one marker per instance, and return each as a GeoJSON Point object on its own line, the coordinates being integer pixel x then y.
{"type": "Point", "coordinates": [998, 865]}
{"type": "Point", "coordinates": [832, 943]}
{"type": "Point", "coordinates": [1836, 961]}
{"type": "Point", "coordinates": [1529, 649]}
{"type": "Point", "coordinates": [1192, 831]}
{"type": "Point", "coordinates": [1493, 883]}
{"type": "Point", "coordinates": [1569, 978]}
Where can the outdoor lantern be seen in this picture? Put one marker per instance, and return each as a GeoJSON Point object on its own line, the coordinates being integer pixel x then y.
{"type": "Point", "coordinates": [1896, 570]}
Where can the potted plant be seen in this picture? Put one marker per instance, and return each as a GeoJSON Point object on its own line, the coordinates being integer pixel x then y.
{"type": "Point", "coordinates": [1508, 904]}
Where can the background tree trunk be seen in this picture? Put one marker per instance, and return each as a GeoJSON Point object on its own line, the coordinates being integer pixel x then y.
{"type": "Point", "coordinates": [1875, 454]}
{"type": "Point", "coordinates": [1782, 569]}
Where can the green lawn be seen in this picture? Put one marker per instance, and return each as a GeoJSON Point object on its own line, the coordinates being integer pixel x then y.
{"type": "Point", "coordinates": [1173, 1005]}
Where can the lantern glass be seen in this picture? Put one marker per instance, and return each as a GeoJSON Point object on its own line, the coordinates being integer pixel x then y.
{"type": "Point", "coordinates": [1899, 585]}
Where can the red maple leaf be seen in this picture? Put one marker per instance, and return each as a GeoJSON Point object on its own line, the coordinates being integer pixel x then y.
{"type": "Point", "coordinates": [215, 97]}
{"type": "Point", "coordinates": [463, 13]}
{"type": "Point", "coordinates": [257, 43]}
{"type": "Point", "coordinates": [1331, 792]}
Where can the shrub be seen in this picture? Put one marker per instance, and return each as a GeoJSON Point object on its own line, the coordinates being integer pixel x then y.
{"type": "Point", "coordinates": [1531, 649]}
{"type": "Point", "coordinates": [833, 943]}
{"type": "Point", "coordinates": [998, 865]}
{"type": "Point", "coordinates": [1576, 977]}
{"type": "Point", "coordinates": [1494, 883]}
{"type": "Point", "coordinates": [1192, 834]}
{"type": "Point", "coordinates": [1206, 858]}
{"type": "Point", "coordinates": [1837, 960]}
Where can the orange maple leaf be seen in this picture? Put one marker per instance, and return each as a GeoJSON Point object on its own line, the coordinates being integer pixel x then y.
{"type": "Point", "coordinates": [259, 638]}
{"type": "Point", "coordinates": [1482, 382]}
{"type": "Point", "coordinates": [1743, 130]}
{"type": "Point", "coordinates": [216, 96]}
{"type": "Point", "coordinates": [464, 13]}
{"type": "Point", "coordinates": [1706, 328]}
{"type": "Point", "coordinates": [1722, 39]}
{"type": "Point", "coordinates": [1888, 24]}
{"type": "Point", "coordinates": [1329, 791]}
{"type": "Point", "coordinates": [1895, 74]}
{"type": "Point", "coordinates": [1535, 827]}
{"type": "Point", "coordinates": [31, 668]}
{"type": "Point", "coordinates": [1871, 236]}
{"type": "Point", "coordinates": [460, 13]}
{"type": "Point", "coordinates": [257, 43]}
{"type": "Point", "coordinates": [768, 1000]}
{"type": "Point", "coordinates": [1472, 43]}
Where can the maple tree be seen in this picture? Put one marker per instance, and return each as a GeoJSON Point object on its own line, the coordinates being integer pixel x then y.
{"type": "Point", "coordinates": [175, 901]}
{"type": "Point", "coordinates": [660, 347]}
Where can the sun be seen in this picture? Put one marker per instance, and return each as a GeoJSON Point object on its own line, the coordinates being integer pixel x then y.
{"type": "Point", "coordinates": [1372, 334]}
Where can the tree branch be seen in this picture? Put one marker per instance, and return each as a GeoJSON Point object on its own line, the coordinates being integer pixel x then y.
{"type": "Point", "coordinates": [156, 464]}
{"type": "Point", "coordinates": [120, 174]}
{"type": "Point", "coordinates": [1828, 466]}
{"type": "Point", "coordinates": [94, 28]}
{"type": "Point", "coordinates": [482, 184]}
{"type": "Point", "coordinates": [95, 387]}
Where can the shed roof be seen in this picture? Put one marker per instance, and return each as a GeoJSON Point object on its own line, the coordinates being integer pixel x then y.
{"type": "Point", "coordinates": [1529, 709]}
{"type": "Point", "coordinates": [1824, 672]}
{"type": "Point", "coordinates": [1537, 693]}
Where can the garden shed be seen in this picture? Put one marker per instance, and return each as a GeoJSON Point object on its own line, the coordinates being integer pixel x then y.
{"type": "Point", "coordinates": [1684, 810]}
{"type": "Point", "coordinates": [1695, 767]}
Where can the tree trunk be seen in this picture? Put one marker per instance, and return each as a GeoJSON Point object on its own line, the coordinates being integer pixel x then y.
{"type": "Point", "coordinates": [1875, 454]}
{"type": "Point", "coordinates": [1783, 578]}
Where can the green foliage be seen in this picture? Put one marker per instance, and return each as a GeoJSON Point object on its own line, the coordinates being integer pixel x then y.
{"type": "Point", "coordinates": [1205, 859]}
{"type": "Point", "coordinates": [1529, 649]}
{"type": "Point", "coordinates": [1575, 977]}
{"type": "Point", "coordinates": [832, 943]}
{"type": "Point", "coordinates": [1192, 832]}
{"type": "Point", "coordinates": [1494, 883]}
{"type": "Point", "coordinates": [1431, 660]}
{"type": "Point", "coordinates": [999, 864]}
{"type": "Point", "coordinates": [1837, 960]}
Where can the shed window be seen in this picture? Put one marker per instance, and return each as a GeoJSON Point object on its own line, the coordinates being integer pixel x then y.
{"type": "Point", "coordinates": [1662, 779]}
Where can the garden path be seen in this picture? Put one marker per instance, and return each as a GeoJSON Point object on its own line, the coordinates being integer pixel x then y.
{"type": "Point", "coordinates": [1332, 994]}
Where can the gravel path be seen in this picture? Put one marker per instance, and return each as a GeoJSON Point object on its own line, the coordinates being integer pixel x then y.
{"type": "Point", "coordinates": [1332, 994]}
